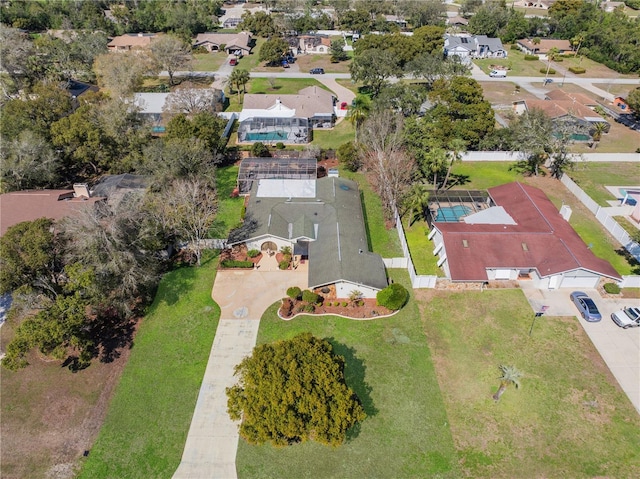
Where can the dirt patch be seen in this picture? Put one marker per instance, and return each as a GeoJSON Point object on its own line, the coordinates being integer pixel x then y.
{"type": "Point", "coordinates": [50, 415]}
{"type": "Point", "coordinates": [239, 253]}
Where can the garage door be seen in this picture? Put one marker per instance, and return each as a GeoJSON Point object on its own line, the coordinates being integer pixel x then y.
{"type": "Point", "coordinates": [579, 282]}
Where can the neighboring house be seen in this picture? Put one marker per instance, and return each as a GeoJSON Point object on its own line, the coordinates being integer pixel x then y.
{"type": "Point", "coordinates": [567, 110]}
{"type": "Point", "coordinates": [400, 21]}
{"type": "Point", "coordinates": [322, 222]}
{"type": "Point", "coordinates": [286, 118]}
{"type": "Point", "coordinates": [530, 47]}
{"type": "Point", "coordinates": [541, 4]}
{"type": "Point", "coordinates": [457, 21]}
{"type": "Point", "coordinates": [155, 108]}
{"type": "Point", "coordinates": [313, 44]}
{"type": "Point", "coordinates": [232, 43]}
{"type": "Point", "coordinates": [254, 169]}
{"type": "Point", "coordinates": [131, 41]}
{"type": "Point", "coordinates": [29, 205]}
{"type": "Point", "coordinates": [231, 22]}
{"type": "Point", "coordinates": [116, 187]}
{"type": "Point", "coordinates": [521, 236]}
{"type": "Point", "coordinates": [611, 6]}
{"type": "Point", "coordinates": [473, 46]}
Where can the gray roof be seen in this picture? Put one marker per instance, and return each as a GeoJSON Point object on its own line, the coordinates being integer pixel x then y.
{"type": "Point", "coordinates": [309, 101]}
{"type": "Point", "coordinates": [333, 223]}
{"type": "Point", "coordinates": [472, 43]}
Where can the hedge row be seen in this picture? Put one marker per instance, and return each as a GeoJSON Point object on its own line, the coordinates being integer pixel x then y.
{"type": "Point", "coordinates": [551, 71]}
{"type": "Point", "coordinates": [232, 263]}
{"type": "Point", "coordinates": [531, 58]}
{"type": "Point", "coordinates": [577, 70]}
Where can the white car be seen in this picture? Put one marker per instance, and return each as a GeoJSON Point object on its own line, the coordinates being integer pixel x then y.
{"type": "Point", "coordinates": [627, 318]}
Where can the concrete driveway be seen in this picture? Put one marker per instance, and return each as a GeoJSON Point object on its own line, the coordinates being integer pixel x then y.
{"type": "Point", "coordinates": [243, 296]}
{"type": "Point", "coordinates": [619, 348]}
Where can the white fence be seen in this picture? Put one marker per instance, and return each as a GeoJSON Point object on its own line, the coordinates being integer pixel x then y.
{"type": "Point", "coordinates": [417, 281]}
{"type": "Point", "coordinates": [617, 231]}
{"type": "Point", "coordinates": [515, 156]}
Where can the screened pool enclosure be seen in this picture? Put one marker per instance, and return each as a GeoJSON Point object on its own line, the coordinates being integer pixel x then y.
{"type": "Point", "coordinates": [252, 169]}
{"type": "Point", "coordinates": [275, 130]}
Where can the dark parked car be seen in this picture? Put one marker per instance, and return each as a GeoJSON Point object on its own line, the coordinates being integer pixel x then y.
{"type": "Point", "coordinates": [586, 306]}
{"type": "Point", "coordinates": [317, 71]}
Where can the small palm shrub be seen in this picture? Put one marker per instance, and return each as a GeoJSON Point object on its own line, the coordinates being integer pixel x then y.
{"type": "Point", "coordinates": [393, 296]}
{"type": "Point", "coordinates": [309, 308]}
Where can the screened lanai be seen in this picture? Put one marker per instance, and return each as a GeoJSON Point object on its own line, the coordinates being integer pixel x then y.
{"type": "Point", "coordinates": [274, 168]}
{"type": "Point", "coordinates": [453, 205]}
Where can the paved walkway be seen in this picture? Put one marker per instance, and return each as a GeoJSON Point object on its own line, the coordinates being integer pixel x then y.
{"type": "Point", "coordinates": [243, 296]}
{"type": "Point", "coordinates": [619, 348]}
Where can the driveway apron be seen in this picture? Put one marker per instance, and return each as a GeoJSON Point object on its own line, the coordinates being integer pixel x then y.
{"type": "Point", "coordinates": [243, 296]}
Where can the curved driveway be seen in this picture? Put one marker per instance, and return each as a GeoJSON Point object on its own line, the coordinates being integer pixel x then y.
{"type": "Point", "coordinates": [243, 296]}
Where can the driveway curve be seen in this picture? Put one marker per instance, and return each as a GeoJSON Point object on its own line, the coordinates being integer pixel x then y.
{"type": "Point", "coordinates": [243, 296]}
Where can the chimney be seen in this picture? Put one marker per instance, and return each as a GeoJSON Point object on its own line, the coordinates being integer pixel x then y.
{"type": "Point", "coordinates": [81, 189]}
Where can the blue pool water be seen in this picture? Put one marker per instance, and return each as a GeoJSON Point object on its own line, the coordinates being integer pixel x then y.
{"type": "Point", "coordinates": [630, 201]}
{"type": "Point", "coordinates": [267, 136]}
{"type": "Point", "coordinates": [158, 129]}
{"type": "Point", "coordinates": [452, 213]}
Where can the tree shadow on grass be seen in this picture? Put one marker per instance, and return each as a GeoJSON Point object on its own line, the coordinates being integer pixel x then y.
{"type": "Point", "coordinates": [354, 373]}
{"type": "Point", "coordinates": [635, 265]}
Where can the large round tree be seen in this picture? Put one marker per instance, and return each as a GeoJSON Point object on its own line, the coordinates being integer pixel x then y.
{"type": "Point", "coordinates": [293, 390]}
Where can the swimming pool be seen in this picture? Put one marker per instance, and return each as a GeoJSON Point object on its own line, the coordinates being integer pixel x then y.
{"type": "Point", "coordinates": [630, 201]}
{"type": "Point", "coordinates": [452, 213]}
{"type": "Point", "coordinates": [267, 136]}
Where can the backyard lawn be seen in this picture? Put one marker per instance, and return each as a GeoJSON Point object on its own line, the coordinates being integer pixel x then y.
{"type": "Point", "coordinates": [389, 366]}
{"type": "Point", "coordinates": [569, 418]}
{"type": "Point", "coordinates": [229, 209]}
{"type": "Point", "coordinates": [592, 177]}
{"type": "Point", "coordinates": [149, 416]}
{"type": "Point", "coordinates": [331, 139]}
{"type": "Point", "coordinates": [383, 241]}
{"type": "Point", "coordinates": [421, 248]}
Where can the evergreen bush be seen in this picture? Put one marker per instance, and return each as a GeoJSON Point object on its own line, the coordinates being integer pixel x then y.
{"type": "Point", "coordinates": [310, 297]}
{"type": "Point", "coordinates": [252, 253]}
{"type": "Point", "coordinates": [294, 292]}
{"type": "Point", "coordinates": [531, 58]}
{"type": "Point", "coordinates": [393, 296]}
{"type": "Point", "coordinates": [612, 288]}
{"type": "Point", "coordinates": [577, 70]}
{"type": "Point", "coordinates": [232, 263]}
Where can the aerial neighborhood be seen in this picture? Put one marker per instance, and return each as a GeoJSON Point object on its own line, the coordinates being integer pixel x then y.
{"type": "Point", "coordinates": [319, 238]}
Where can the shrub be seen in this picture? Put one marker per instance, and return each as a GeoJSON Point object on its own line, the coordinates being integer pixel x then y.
{"type": "Point", "coordinates": [279, 146]}
{"type": "Point", "coordinates": [577, 70]}
{"type": "Point", "coordinates": [345, 304]}
{"type": "Point", "coordinates": [551, 71]}
{"type": "Point", "coordinates": [531, 58]}
{"type": "Point", "coordinates": [310, 297]}
{"type": "Point", "coordinates": [294, 292]}
{"type": "Point", "coordinates": [514, 46]}
{"type": "Point", "coordinates": [393, 296]}
{"type": "Point", "coordinates": [232, 263]}
{"type": "Point", "coordinates": [558, 59]}
{"type": "Point", "coordinates": [260, 150]}
{"type": "Point", "coordinates": [612, 288]}
{"type": "Point", "coordinates": [284, 264]}
{"type": "Point", "coordinates": [309, 308]}
{"type": "Point", "coordinates": [252, 253]}
{"type": "Point", "coordinates": [348, 156]}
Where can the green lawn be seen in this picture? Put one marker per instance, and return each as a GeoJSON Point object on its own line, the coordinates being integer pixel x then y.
{"type": "Point", "coordinates": [332, 139]}
{"type": "Point", "coordinates": [389, 366]}
{"type": "Point", "coordinates": [421, 248]}
{"type": "Point", "coordinates": [383, 241]}
{"type": "Point", "coordinates": [229, 209]}
{"type": "Point", "coordinates": [149, 416]}
{"type": "Point", "coordinates": [515, 62]}
{"type": "Point", "coordinates": [208, 62]}
{"type": "Point", "coordinates": [480, 175]}
{"type": "Point", "coordinates": [568, 419]}
{"type": "Point", "coordinates": [593, 177]}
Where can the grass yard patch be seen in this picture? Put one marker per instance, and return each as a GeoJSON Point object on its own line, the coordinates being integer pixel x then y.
{"type": "Point", "coordinates": [282, 86]}
{"type": "Point", "coordinates": [504, 92]}
{"type": "Point", "coordinates": [381, 240]}
{"type": "Point", "coordinates": [620, 139]}
{"type": "Point", "coordinates": [149, 416]}
{"type": "Point", "coordinates": [307, 62]}
{"type": "Point", "coordinates": [208, 62]}
{"type": "Point", "coordinates": [616, 88]}
{"type": "Point", "coordinates": [331, 139]}
{"type": "Point", "coordinates": [515, 62]}
{"type": "Point", "coordinates": [593, 69]}
{"type": "Point", "coordinates": [480, 175]}
{"type": "Point", "coordinates": [229, 209]}
{"type": "Point", "coordinates": [593, 177]}
{"type": "Point", "coordinates": [389, 366]}
{"type": "Point", "coordinates": [569, 418]}
{"type": "Point", "coordinates": [421, 248]}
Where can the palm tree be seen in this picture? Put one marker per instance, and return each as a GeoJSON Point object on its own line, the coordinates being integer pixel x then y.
{"type": "Point", "coordinates": [598, 129]}
{"type": "Point", "coordinates": [552, 54]}
{"type": "Point", "coordinates": [456, 148]}
{"type": "Point", "coordinates": [239, 78]}
{"type": "Point", "coordinates": [435, 161]}
{"type": "Point", "coordinates": [359, 112]}
{"type": "Point", "coordinates": [577, 40]}
{"type": "Point", "coordinates": [510, 375]}
{"type": "Point", "coordinates": [416, 201]}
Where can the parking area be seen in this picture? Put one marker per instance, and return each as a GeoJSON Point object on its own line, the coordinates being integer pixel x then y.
{"type": "Point", "coordinates": [619, 348]}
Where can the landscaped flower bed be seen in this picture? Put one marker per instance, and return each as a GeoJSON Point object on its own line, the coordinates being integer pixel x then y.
{"type": "Point", "coordinates": [239, 257]}
{"type": "Point", "coordinates": [363, 309]}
